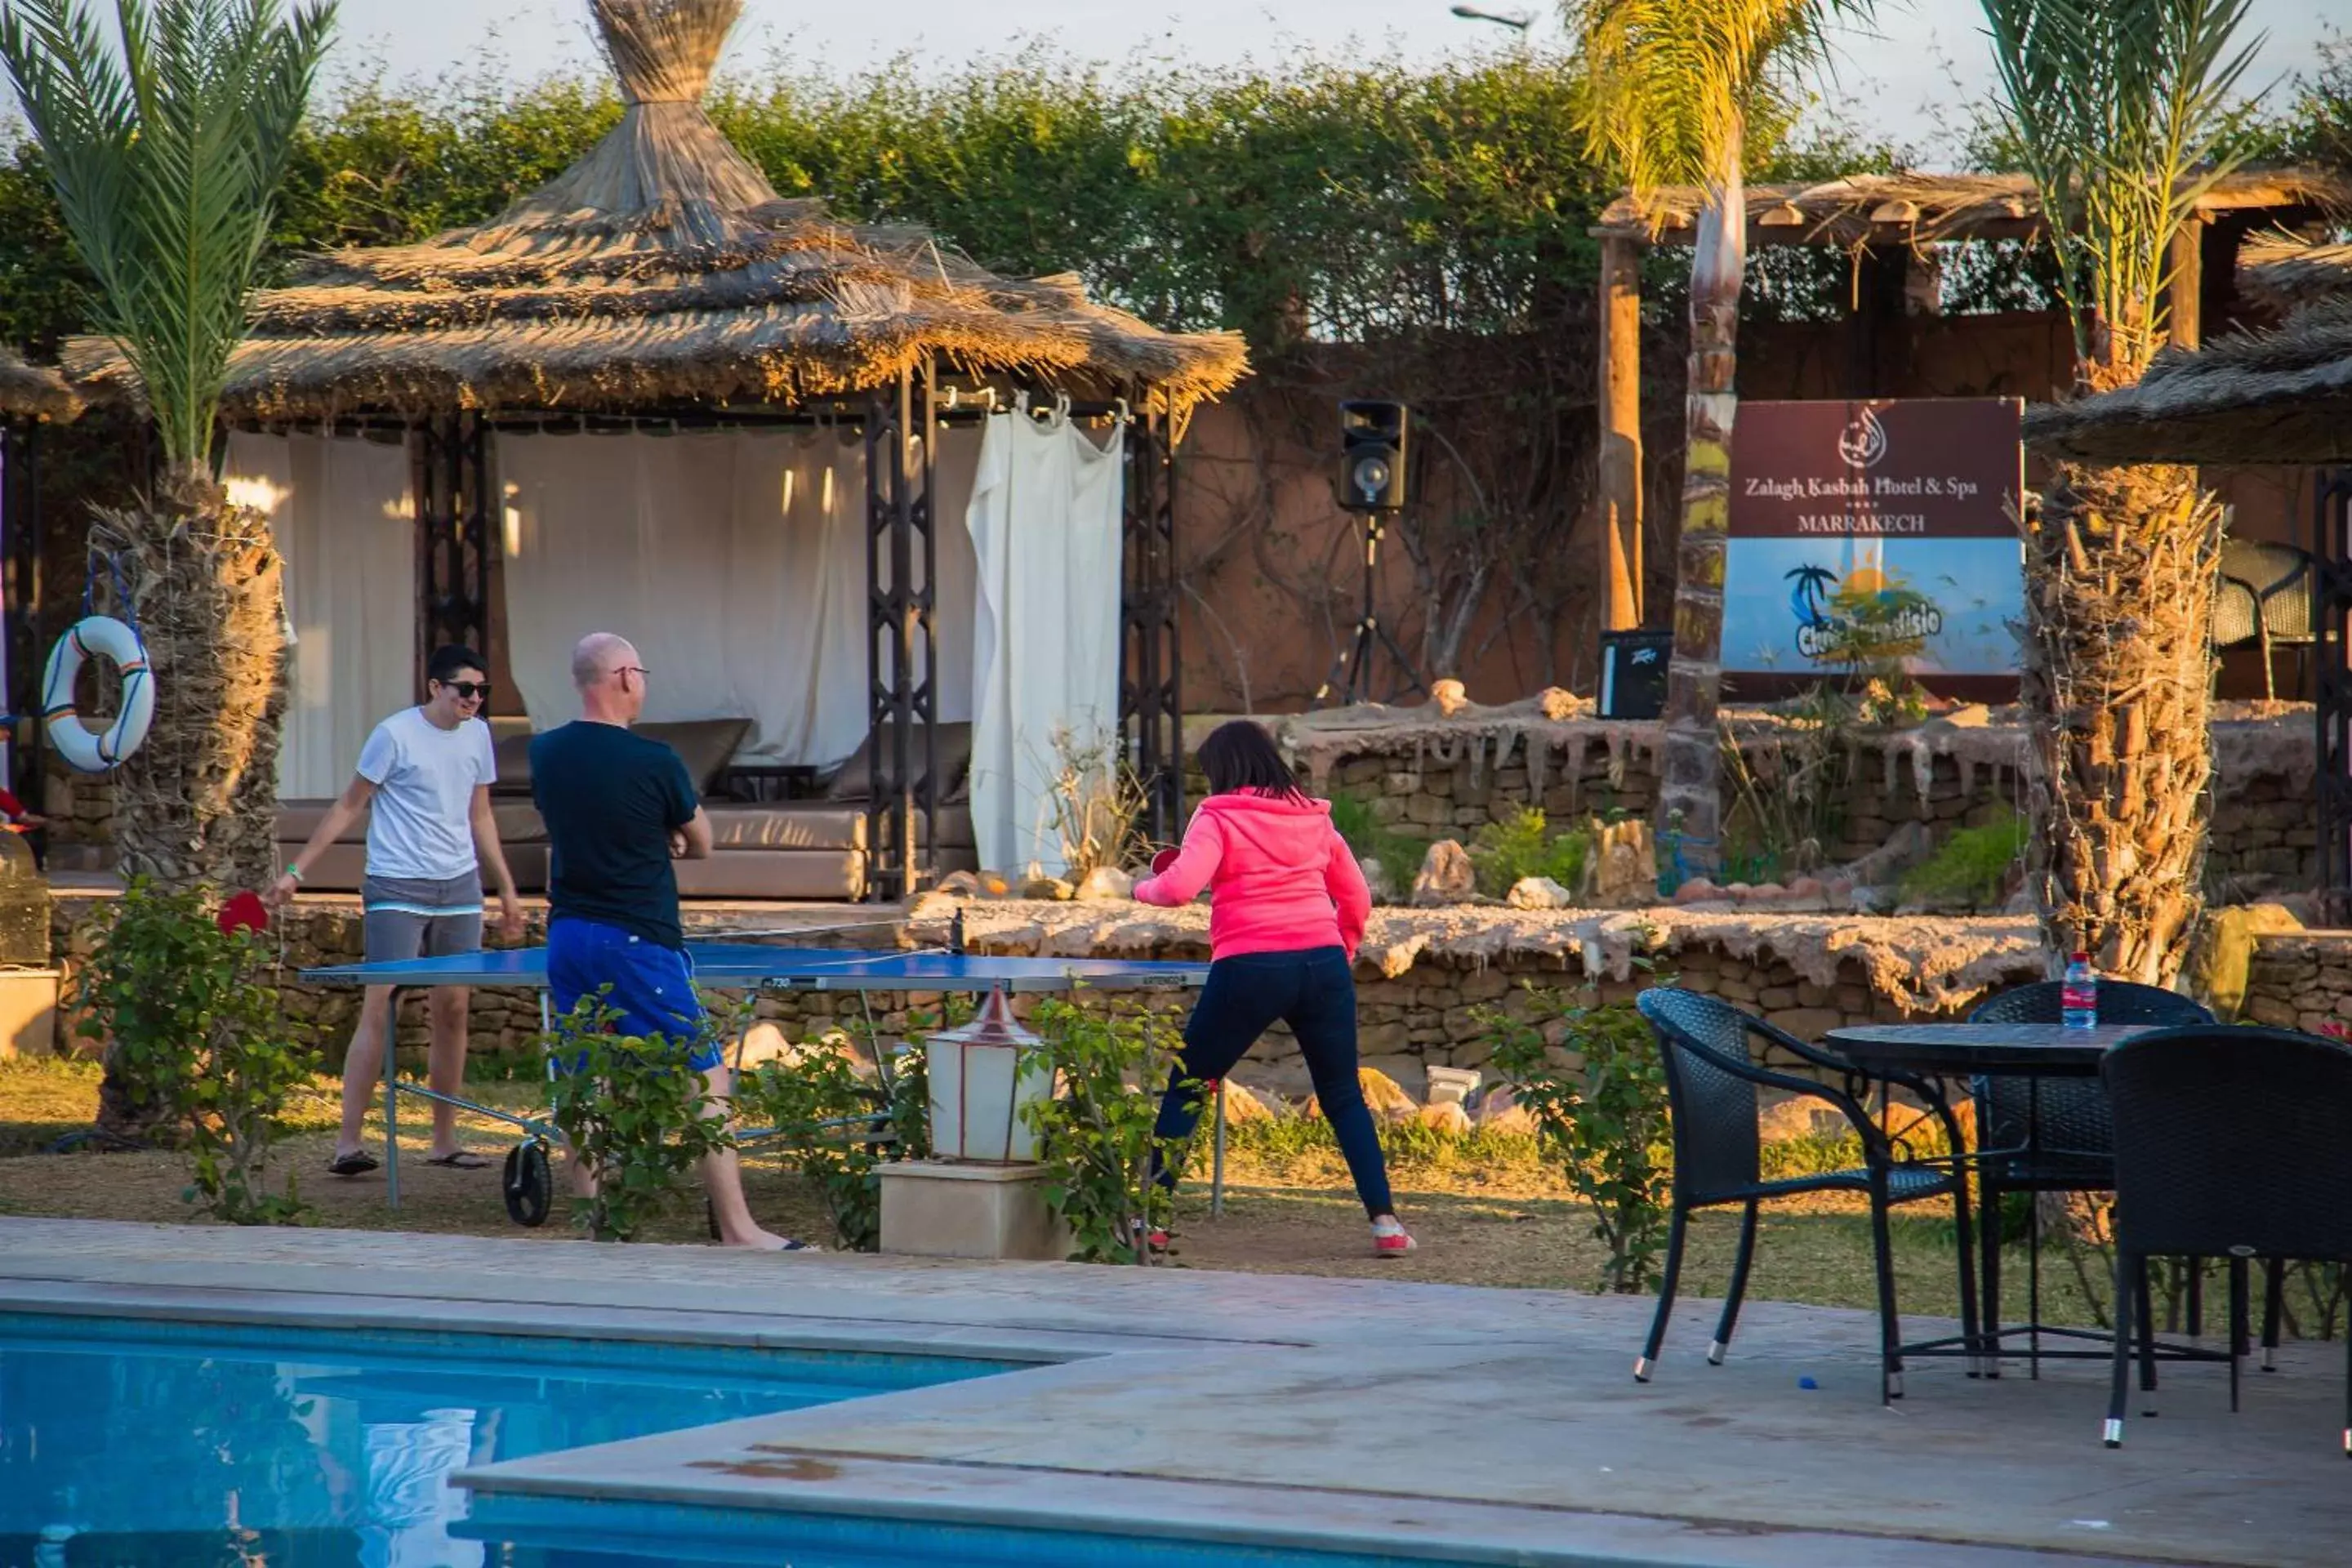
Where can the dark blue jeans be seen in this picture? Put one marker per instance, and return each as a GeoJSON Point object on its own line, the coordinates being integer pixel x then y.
{"type": "Point", "coordinates": [1315, 993]}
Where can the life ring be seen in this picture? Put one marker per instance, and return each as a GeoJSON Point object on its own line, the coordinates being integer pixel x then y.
{"type": "Point", "coordinates": [84, 749]}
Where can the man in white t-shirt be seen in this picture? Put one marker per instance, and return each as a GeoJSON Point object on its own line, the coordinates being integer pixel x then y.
{"type": "Point", "coordinates": [424, 779]}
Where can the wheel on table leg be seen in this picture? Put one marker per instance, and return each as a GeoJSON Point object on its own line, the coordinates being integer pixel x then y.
{"type": "Point", "coordinates": [529, 1187]}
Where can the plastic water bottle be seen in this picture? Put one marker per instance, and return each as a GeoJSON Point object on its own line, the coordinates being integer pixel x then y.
{"type": "Point", "coordinates": [2078, 995]}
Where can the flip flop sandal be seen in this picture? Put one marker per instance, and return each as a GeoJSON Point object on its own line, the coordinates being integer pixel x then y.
{"type": "Point", "coordinates": [356, 1165]}
{"type": "Point", "coordinates": [463, 1160]}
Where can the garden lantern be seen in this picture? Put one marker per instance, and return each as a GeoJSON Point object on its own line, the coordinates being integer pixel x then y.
{"type": "Point", "coordinates": [981, 1076]}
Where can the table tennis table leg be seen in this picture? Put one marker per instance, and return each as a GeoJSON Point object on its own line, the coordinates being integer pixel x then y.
{"type": "Point", "coordinates": [392, 1106]}
{"type": "Point", "coordinates": [1217, 1160]}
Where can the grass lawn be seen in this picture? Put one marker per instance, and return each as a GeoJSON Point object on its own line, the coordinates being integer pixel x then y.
{"type": "Point", "coordinates": [1485, 1209]}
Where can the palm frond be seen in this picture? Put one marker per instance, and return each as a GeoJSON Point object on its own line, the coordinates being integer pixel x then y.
{"type": "Point", "coordinates": [167, 153]}
{"type": "Point", "coordinates": [2123, 114]}
{"type": "Point", "coordinates": [1669, 88]}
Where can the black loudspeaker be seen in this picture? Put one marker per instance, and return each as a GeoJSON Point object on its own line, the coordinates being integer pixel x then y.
{"type": "Point", "coordinates": [1633, 673]}
{"type": "Point", "coordinates": [1371, 456]}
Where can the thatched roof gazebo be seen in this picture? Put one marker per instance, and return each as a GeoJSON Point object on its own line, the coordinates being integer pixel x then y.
{"type": "Point", "coordinates": [34, 391]}
{"type": "Point", "coordinates": [661, 283]}
{"type": "Point", "coordinates": [2278, 397]}
{"type": "Point", "coordinates": [2285, 272]}
{"type": "Point", "coordinates": [1885, 222]}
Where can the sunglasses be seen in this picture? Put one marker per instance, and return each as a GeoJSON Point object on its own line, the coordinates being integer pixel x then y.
{"type": "Point", "coordinates": [469, 691]}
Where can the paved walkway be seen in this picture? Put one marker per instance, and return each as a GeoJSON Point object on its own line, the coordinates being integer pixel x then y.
{"type": "Point", "coordinates": [1485, 1425]}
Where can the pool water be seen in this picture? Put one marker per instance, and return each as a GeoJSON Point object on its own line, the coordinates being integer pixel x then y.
{"type": "Point", "coordinates": [129, 1444]}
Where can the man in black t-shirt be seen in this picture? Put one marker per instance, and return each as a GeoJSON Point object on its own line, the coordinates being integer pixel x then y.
{"type": "Point", "coordinates": [618, 808]}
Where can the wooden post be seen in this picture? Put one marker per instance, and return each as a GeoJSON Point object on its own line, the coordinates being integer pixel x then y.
{"type": "Point", "coordinates": [2185, 299]}
{"type": "Point", "coordinates": [1621, 433]}
{"type": "Point", "coordinates": [1881, 275]}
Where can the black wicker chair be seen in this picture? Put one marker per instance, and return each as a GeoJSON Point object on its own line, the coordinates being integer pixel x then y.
{"type": "Point", "coordinates": [2075, 1138]}
{"type": "Point", "coordinates": [2229, 1143]}
{"type": "Point", "coordinates": [1711, 1084]}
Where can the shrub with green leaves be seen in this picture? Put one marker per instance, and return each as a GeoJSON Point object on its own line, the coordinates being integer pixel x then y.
{"type": "Point", "coordinates": [1972, 868]}
{"type": "Point", "coordinates": [1523, 845]}
{"type": "Point", "coordinates": [1095, 1138]}
{"type": "Point", "coordinates": [826, 1114]}
{"type": "Point", "coordinates": [194, 1025]}
{"type": "Point", "coordinates": [1602, 1115]}
{"type": "Point", "coordinates": [1398, 855]}
{"type": "Point", "coordinates": [630, 1107]}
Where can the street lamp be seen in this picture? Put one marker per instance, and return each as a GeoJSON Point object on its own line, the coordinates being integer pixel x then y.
{"type": "Point", "coordinates": [1518, 21]}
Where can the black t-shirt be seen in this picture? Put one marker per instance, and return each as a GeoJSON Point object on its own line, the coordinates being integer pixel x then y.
{"type": "Point", "coordinates": [611, 800]}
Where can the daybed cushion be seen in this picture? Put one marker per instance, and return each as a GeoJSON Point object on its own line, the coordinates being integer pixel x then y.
{"type": "Point", "coordinates": [517, 823]}
{"type": "Point", "coordinates": [511, 753]}
{"type": "Point", "coordinates": [705, 745]}
{"type": "Point", "coordinates": [855, 779]}
{"type": "Point", "coordinates": [813, 825]}
{"type": "Point", "coordinates": [828, 874]}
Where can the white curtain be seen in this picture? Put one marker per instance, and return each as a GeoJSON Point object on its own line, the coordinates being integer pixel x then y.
{"type": "Point", "coordinates": [1044, 526]}
{"type": "Point", "coordinates": [734, 560]}
{"type": "Point", "coordinates": [344, 521]}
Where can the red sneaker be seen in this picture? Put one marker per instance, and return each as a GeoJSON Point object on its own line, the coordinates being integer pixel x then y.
{"type": "Point", "coordinates": [1390, 1238]}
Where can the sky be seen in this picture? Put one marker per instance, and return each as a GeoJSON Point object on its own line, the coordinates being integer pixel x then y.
{"type": "Point", "coordinates": [1899, 83]}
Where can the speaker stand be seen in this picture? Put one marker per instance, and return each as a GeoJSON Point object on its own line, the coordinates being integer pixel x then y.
{"type": "Point", "coordinates": [1355, 661]}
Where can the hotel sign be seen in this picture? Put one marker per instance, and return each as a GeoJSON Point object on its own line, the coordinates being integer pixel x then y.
{"type": "Point", "coordinates": [1874, 532]}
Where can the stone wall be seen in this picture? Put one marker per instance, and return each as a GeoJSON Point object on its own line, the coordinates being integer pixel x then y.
{"type": "Point", "coordinates": [1434, 777]}
{"type": "Point", "coordinates": [1423, 976]}
{"type": "Point", "coordinates": [2301, 979]}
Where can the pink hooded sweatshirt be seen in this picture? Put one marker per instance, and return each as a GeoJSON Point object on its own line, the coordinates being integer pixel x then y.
{"type": "Point", "coordinates": [1285, 880]}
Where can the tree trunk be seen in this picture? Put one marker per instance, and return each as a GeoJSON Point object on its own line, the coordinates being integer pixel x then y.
{"type": "Point", "coordinates": [2120, 579]}
{"type": "Point", "coordinates": [195, 805]}
{"type": "Point", "coordinates": [1690, 784]}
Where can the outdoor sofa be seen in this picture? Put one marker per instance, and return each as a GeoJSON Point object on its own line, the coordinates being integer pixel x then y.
{"type": "Point", "coordinates": [816, 849]}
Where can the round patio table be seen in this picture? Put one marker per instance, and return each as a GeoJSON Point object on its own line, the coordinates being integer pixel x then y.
{"type": "Point", "coordinates": [2022, 1051]}
{"type": "Point", "coordinates": [1963, 1050]}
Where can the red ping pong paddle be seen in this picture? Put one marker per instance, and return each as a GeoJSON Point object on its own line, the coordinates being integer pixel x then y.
{"type": "Point", "coordinates": [1163, 861]}
{"type": "Point", "coordinates": [243, 912]}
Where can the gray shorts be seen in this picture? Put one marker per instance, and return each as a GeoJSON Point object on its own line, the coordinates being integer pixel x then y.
{"type": "Point", "coordinates": [420, 917]}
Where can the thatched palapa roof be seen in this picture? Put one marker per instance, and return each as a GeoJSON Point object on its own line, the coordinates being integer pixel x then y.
{"type": "Point", "coordinates": [1917, 208]}
{"type": "Point", "coordinates": [35, 392]}
{"type": "Point", "coordinates": [2280, 396]}
{"type": "Point", "coordinates": [664, 268]}
{"type": "Point", "coordinates": [2282, 271]}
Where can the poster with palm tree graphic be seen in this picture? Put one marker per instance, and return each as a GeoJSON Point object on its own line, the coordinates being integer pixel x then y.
{"type": "Point", "coordinates": [1870, 533]}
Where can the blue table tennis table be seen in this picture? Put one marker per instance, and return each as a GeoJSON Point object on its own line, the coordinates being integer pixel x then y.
{"type": "Point", "coordinates": [739, 966]}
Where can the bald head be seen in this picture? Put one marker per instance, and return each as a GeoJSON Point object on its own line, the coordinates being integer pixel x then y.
{"type": "Point", "coordinates": [612, 682]}
{"type": "Point", "coordinates": [597, 655]}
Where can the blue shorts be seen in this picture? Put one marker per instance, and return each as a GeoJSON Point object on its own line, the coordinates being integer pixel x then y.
{"type": "Point", "coordinates": [651, 987]}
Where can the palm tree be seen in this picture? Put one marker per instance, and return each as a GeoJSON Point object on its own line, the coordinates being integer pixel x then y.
{"type": "Point", "coordinates": [1670, 88]}
{"type": "Point", "coordinates": [167, 146]}
{"type": "Point", "coordinates": [2121, 112]}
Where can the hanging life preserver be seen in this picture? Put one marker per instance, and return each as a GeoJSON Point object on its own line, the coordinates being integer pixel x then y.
{"type": "Point", "coordinates": [84, 749]}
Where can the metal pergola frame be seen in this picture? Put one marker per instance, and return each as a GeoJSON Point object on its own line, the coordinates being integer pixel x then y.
{"type": "Point", "coordinates": [2331, 557]}
{"type": "Point", "coordinates": [20, 590]}
{"type": "Point", "coordinates": [457, 546]}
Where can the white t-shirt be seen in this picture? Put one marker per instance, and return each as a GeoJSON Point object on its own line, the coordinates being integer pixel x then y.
{"type": "Point", "coordinates": [421, 825]}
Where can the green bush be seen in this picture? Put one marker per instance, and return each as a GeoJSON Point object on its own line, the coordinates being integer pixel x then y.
{"type": "Point", "coordinates": [1523, 845]}
{"type": "Point", "coordinates": [1398, 855]}
{"type": "Point", "coordinates": [823, 1110]}
{"type": "Point", "coordinates": [1604, 1117]}
{"type": "Point", "coordinates": [631, 1109]}
{"type": "Point", "coordinates": [1972, 866]}
{"type": "Point", "coordinates": [1096, 1138]}
{"type": "Point", "coordinates": [194, 1029]}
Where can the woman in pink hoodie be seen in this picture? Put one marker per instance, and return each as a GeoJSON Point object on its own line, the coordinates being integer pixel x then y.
{"type": "Point", "coordinates": [1289, 911]}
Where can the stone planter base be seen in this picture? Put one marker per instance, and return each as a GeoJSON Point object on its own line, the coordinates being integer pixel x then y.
{"type": "Point", "coordinates": [28, 1011]}
{"type": "Point", "coordinates": [934, 1209]}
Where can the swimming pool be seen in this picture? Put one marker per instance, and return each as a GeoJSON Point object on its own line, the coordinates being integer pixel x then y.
{"type": "Point", "coordinates": [129, 1443]}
